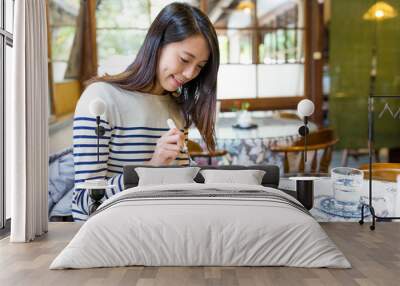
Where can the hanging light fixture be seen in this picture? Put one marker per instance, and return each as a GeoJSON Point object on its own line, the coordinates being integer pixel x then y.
{"type": "Point", "coordinates": [245, 5]}
{"type": "Point", "coordinates": [380, 11]}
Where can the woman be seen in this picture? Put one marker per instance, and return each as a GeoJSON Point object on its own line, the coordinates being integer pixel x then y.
{"type": "Point", "coordinates": [173, 76]}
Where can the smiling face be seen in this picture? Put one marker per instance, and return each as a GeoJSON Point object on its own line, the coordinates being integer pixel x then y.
{"type": "Point", "coordinates": [180, 62]}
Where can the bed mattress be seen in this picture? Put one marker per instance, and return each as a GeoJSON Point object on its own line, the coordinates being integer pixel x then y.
{"type": "Point", "coordinates": [201, 225]}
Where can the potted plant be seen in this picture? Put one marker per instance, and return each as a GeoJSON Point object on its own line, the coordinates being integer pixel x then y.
{"type": "Point", "coordinates": [244, 116]}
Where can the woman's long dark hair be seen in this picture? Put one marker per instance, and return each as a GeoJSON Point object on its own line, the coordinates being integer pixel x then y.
{"type": "Point", "coordinates": [175, 23]}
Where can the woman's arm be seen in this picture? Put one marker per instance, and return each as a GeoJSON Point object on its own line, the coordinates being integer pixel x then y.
{"type": "Point", "coordinates": [86, 165]}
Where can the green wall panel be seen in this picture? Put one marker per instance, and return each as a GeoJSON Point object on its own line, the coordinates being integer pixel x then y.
{"type": "Point", "coordinates": [351, 43]}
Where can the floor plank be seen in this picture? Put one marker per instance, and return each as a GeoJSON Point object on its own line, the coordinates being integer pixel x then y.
{"type": "Point", "coordinates": [375, 257]}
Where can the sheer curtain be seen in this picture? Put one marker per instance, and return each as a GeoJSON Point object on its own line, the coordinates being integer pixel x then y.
{"type": "Point", "coordinates": [27, 123]}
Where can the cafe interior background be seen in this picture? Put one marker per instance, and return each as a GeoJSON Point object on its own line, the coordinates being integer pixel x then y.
{"type": "Point", "coordinates": [274, 53]}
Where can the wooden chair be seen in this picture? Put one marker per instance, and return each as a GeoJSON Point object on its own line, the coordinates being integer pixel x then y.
{"type": "Point", "coordinates": [195, 150]}
{"type": "Point", "coordinates": [382, 171]}
{"type": "Point", "coordinates": [323, 139]}
{"type": "Point", "coordinates": [356, 153]}
{"type": "Point", "coordinates": [287, 115]}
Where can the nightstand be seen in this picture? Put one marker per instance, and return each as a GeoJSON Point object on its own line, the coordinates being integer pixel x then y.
{"type": "Point", "coordinates": [301, 186]}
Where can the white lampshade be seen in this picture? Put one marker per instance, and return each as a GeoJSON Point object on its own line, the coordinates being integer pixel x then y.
{"type": "Point", "coordinates": [97, 107]}
{"type": "Point", "coordinates": [305, 107]}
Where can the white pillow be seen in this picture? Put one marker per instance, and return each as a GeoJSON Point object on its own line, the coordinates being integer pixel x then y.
{"type": "Point", "coordinates": [164, 176]}
{"type": "Point", "coordinates": [248, 177]}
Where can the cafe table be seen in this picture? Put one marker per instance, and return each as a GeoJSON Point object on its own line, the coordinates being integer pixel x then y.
{"type": "Point", "coordinates": [251, 146]}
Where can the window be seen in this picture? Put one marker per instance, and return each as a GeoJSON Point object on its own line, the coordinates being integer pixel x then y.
{"type": "Point", "coordinates": [64, 42]}
{"type": "Point", "coordinates": [6, 43]}
{"type": "Point", "coordinates": [62, 18]}
{"type": "Point", "coordinates": [261, 44]}
{"type": "Point", "coordinates": [121, 28]}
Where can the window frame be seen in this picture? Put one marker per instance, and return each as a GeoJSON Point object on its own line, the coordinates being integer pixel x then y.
{"type": "Point", "coordinates": [312, 40]}
{"type": "Point", "coordinates": [56, 110]}
{"type": "Point", "coordinates": [150, 6]}
{"type": "Point", "coordinates": [6, 39]}
{"type": "Point", "coordinates": [312, 29]}
{"type": "Point", "coordinates": [258, 31]}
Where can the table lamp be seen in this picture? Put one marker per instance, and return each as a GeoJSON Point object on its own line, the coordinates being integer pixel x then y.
{"type": "Point", "coordinates": [305, 108]}
{"type": "Point", "coordinates": [97, 108]}
{"type": "Point", "coordinates": [305, 185]}
{"type": "Point", "coordinates": [97, 188]}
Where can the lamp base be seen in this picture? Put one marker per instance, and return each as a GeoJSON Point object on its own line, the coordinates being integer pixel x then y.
{"type": "Point", "coordinates": [305, 193]}
{"type": "Point", "coordinates": [375, 218]}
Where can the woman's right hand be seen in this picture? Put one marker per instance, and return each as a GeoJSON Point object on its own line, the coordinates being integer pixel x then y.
{"type": "Point", "coordinates": [167, 148]}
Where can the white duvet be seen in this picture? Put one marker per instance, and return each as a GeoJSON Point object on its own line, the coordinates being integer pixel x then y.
{"type": "Point", "coordinates": [188, 231]}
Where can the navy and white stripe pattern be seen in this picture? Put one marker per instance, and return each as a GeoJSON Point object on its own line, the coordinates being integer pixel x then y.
{"type": "Point", "coordinates": [120, 146]}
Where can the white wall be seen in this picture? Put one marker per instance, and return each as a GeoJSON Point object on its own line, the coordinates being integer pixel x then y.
{"type": "Point", "coordinates": [239, 81]}
{"type": "Point", "coordinates": [281, 80]}
{"type": "Point", "coordinates": [236, 81]}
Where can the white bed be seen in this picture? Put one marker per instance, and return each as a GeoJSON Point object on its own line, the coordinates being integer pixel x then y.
{"type": "Point", "coordinates": [222, 225]}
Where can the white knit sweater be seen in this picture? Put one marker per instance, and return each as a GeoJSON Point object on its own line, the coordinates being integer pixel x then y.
{"type": "Point", "coordinates": [134, 121]}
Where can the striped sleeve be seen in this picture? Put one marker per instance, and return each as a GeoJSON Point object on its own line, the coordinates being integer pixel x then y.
{"type": "Point", "coordinates": [117, 182]}
{"type": "Point", "coordinates": [87, 163]}
{"type": "Point", "coordinates": [81, 199]}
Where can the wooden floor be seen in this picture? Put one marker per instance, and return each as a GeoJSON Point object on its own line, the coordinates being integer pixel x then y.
{"type": "Point", "coordinates": [374, 255]}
